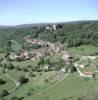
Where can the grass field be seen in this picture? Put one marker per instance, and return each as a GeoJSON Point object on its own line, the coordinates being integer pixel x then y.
{"type": "Point", "coordinates": [83, 50]}
{"type": "Point", "coordinates": [16, 74]}
{"type": "Point", "coordinates": [9, 84]}
{"type": "Point", "coordinates": [23, 64]}
{"type": "Point", "coordinates": [71, 87]}
{"type": "Point", "coordinates": [35, 84]}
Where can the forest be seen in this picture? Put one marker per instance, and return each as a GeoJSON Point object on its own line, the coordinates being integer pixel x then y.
{"type": "Point", "coordinates": [71, 34]}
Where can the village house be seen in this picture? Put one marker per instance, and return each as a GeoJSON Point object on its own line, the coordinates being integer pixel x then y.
{"type": "Point", "coordinates": [55, 48]}
{"type": "Point", "coordinates": [63, 71]}
{"type": "Point", "coordinates": [39, 55]}
{"type": "Point", "coordinates": [46, 67]}
{"type": "Point", "coordinates": [67, 57]}
{"type": "Point", "coordinates": [58, 48]}
{"type": "Point", "coordinates": [24, 54]}
{"type": "Point", "coordinates": [47, 27]}
{"type": "Point", "coordinates": [81, 66]}
{"type": "Point", "coordinates": [13, 56]}
{"type": "Point", "coordinates": [89, 74]}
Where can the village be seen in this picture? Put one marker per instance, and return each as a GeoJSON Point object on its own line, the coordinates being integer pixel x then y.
{"type": "Point", "coordinates": [47, 48]}
{"type": "Point", "coordinates": [61, 65]}
{"type": "Point", "coordinates": [46, 64]}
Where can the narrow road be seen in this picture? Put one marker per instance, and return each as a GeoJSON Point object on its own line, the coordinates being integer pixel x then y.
{"type": "Point", "coordinates": [17, 84]}
{"type": "Point", "coordinates": [81, 73]}
{"type": "Point", "coordinates": [90, 57]}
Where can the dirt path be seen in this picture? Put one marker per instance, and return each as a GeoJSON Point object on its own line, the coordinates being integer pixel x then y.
{"type": "Point", "coordinates": [90, 57]}
{"type": "Point", "coordinates": [58, 81]}
{"type": "Point", "coordinates": [17, 84]}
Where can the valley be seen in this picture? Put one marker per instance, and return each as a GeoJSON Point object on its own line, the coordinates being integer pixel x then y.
{"type": "Point", "coordinates": [47, 62]}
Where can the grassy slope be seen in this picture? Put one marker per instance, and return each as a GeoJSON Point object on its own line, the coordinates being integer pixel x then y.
{"type": "Point", "coordinates": [25, 63]}
{"type": "Point", "coordinates": [22, 64]}
{"type": "Point", "coordinates": [83, 50]}
{"type": "Point", "coordinates": [37, 83]}
{"type": "Point", "coordinates": [9, 84]}
{"type": "Point", "coordinates": [72, 86]}
{"type": "Point", "coordinates": [16, 74]}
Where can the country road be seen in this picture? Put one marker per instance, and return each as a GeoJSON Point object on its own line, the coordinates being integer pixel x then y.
{"type": "Point", "coordinates": [17, 84]}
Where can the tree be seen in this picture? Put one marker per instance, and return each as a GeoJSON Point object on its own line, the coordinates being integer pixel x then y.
{"type": "Point", "coordinates": [17, 98]}
{"type": "Point", "coordinates": [41, 61]}
{"type": "Point", "coordinates": [4, 93]}
{"type": "Point", "coordinates": [2, 81]}
{"type": "Point", "coordinates": [9, 44]}
{"type": "Point", "coordinates": [72, 68]}
{"type": "Point", "coordinates": [14, 98]}
{"type": "Point", "coordinates": [32, 74]}
{"type": "Point", "coordinates": [46, 80]}
{"type": "Point", "coordinates": [59, 26]}
{"type": "Point", "coordinates": [10, 66]}
{"type": "Point", "coordinates": [23, 80]}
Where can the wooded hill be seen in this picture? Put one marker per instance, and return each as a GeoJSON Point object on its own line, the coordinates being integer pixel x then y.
{"type": "Point", "coordinates": [70, 34]}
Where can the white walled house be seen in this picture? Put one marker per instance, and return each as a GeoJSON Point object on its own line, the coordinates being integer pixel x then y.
{"type": "Point", "coordinates": [67, 56]}
{"type": "Point", "coordinates": [13, 56]}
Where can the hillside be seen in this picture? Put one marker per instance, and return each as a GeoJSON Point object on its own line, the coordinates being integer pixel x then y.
{"type": "Point", "coordinates": [70, 34]}
{"type": "Point", "coordinates": [71, 88]}
{"type": "Point", "coordinates": [57, 61]}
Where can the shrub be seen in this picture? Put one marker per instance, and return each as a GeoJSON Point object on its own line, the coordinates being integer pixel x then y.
{"type": "Point", "coordinates": [72, 68]}
{"type": "Point", "coordinates": [32, 74]}
{"type": "Point", "coordinates": [29, 94]}
{"type": "Point", "coordinates": [25, 69]}
{"type": "Point", "coordinates": [38, 70]}
{"type": "Point", "coordinates": [18, 68]}
{"type": "Point", "coordinates": [23, 80]}
{"type": "Point", "coordinates": [46, 80]}
{"type": "Point", "coordinates": [17, 98]}
{"type": "Point", "coordinates": [40, 74]}
{"type": "Point", "coordinates": [2, 81]}
{"type": "Point", "coordinates": [14, 98]}
{"type": "Point", "coordinates": [64, 98]}
{"type": "Point", "coordinates": [29, 66]}
{"type": "Point", "coordinates": [4, 93]}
